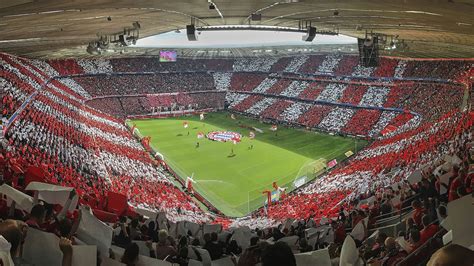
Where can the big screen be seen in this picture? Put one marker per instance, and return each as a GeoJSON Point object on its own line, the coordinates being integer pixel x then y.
{"type": "Point", "coordinates": [167, 56]}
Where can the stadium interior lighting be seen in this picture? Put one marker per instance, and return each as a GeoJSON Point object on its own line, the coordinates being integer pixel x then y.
{"type": "Point", "coordinates": [241, 36]}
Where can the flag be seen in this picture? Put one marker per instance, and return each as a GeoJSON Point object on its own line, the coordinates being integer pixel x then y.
{"type": "Point", "coordinates": [388, 129]}
{"type": "Point", "coordinates": [252, 135]}
{"type": "Point", "coordinates": [185, 124]}
{"type": "Point", "coordinates": [332, 163]}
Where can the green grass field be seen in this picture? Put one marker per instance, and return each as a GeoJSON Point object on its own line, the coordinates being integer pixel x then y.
{"type": "Point", "coordinates": [234, 184]}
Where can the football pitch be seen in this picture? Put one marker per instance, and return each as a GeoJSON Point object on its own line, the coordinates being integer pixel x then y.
{"type": "Point", "coordinates": [233, 176]}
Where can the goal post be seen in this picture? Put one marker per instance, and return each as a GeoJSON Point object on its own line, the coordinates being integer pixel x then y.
{"type": "Point", "coordinates": [307, 172]}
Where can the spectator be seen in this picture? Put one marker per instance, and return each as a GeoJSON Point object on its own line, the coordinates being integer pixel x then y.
{"type": "Point", "coordinates": [130, 256]}
{"type": "Point", "coordinates": [417, 212]}
{"type": "Point", "coordinates": [429, 229]}
{"type": "Point", "coordinates": [414, 239]}
{"type": "Point", "coordinates": [164, 249]}
{"type": "Point", "coordinates": [392, 254]}
{"type": "Point", "coordinates": [37, 216]}
{"type": "Point", "coordinates": [304, 246]}
{"type": "Point", "coordinates": [278, 254]}
{"type": "Point", "coordinates": [452, 255]}
{"type": "Point", "coordinates": [213, 246]}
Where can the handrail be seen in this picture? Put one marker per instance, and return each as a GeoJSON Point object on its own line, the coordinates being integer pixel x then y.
{"type": "Point", "coordinates": [396, 217]}
{"type": "Point", "coordinates": [399, 211]}
{"type": "Point", "coordinates": [390, 214]}
{"type": "Point", "coordinates": [420, 248]}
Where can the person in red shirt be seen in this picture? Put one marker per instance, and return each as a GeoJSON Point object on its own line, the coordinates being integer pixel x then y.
{"type": "Point", "coordinates": [418, 212]}
{"type": "Point", "coordinates": [452, 194]}
{"type": "Point", "coordinates": [429, 230]}
{"type": "Point", "coordinates": [37, 216]}
{"type": "Point", "coordinates": [454, 183]}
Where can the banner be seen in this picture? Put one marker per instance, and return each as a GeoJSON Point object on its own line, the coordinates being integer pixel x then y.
{"type": "Point", "coordinates": [92, 231]}
{"type": "Point", "coordinates": [388, 129]}
{"type": "Point", "coordinates": [42, 248]}
{"type": "Point", "coordinates": [53, 194]}
{"type": "Point", "coordinates": [275, 196]}
{"type": "Point", "coordinates": [299, 182]}
{"type": "Point", "coordinates": [23, 201]}
{"type": "Point", "coordinates": [332, 163]}
{"type": "Point", "coordinates": [349, 153]}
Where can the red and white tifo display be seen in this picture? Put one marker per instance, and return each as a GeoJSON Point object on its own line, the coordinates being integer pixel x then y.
{"type": "Point", "coordinates": [224, 136]}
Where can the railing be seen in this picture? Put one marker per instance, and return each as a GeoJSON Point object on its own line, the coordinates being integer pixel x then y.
{"type": "Point", "coordinates": [420, 255]}
{"type": "Point", "coordinates": [391, 214]}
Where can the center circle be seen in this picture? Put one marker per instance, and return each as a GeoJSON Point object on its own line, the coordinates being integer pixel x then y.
{"type": "Point", "coordinates": [224, 136]}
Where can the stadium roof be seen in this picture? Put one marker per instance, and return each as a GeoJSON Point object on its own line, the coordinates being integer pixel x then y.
{"type": "Point", "coordinates": [64, 28]}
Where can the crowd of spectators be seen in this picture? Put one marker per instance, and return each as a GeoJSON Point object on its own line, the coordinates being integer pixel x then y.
{"type": "Point", "coordinates": [260, 106]}
{"type": "Point", "coordinates": [311, 64]}
{"type": "Point", "coordinates": [222, 80]}
{"type": "Point", "coordinates": [347, 67]}
{"type": "Point", "coordinates": [400, 69]}
{"type": "Point", "coordinates": [362, 122]}
{"type": "Point", "coordinates": [153, 64]}
{"type": "Point", "coordinates": [265, 85]}
{"type": "Point", "coordinates": [275, 110]}
{"type": "Point", "coordinates": [432, 100]}
{"type": "Point", "coordinates": [256, 64]}
{"type": "Point", "coordinates": [66, 67]}
{"type": "Point", "coordinates": [279, 86]}
{"type": "Point", "coordinates": [293, 112]}
{"type": "Point", "coordinates": [132, 84]}
{"type": "Point", "coordinates": [386, 67]}
{"type": "Point", "coordinates": [296, 63]}
{"type": "Point", "coordinates": [312, 91]}
{"type": "Point", "coordinates": [375, 96]}
{"type": "Point", "coordinates": [246, 81]}
{"type": "Point", "coordinates": [295, 88]}
{"type": "Point", "coordinates": [332, 92]}
{"type": "Point", "coordinates": [314, 115]}
{"type": "Point", "coordinates": [95, 66]}
{"type": "Point", "coordinates": [445, 69]}
{"type": "Point", "coordinates": [362, 71]}
{"type": "Point", "coordinates": [281, 64]}
{"type": "Point", "coordinates": [80, 147]}
{"type": "Point", "coordinates": [245, 102]}
{"type": "Point", "coordinates": [126, 106]}
{"type": "Point", "coordinates": [330, 63]}
{"type": "Point", "coordinates": [385, 118]}
{"type": "Point", "coordinates": [336, 119]}
{"type": "Point", "coordinates": [353, 94]}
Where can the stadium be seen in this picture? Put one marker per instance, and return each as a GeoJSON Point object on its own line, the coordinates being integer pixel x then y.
{"type": "Point", "coordinates": [236, 133]}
